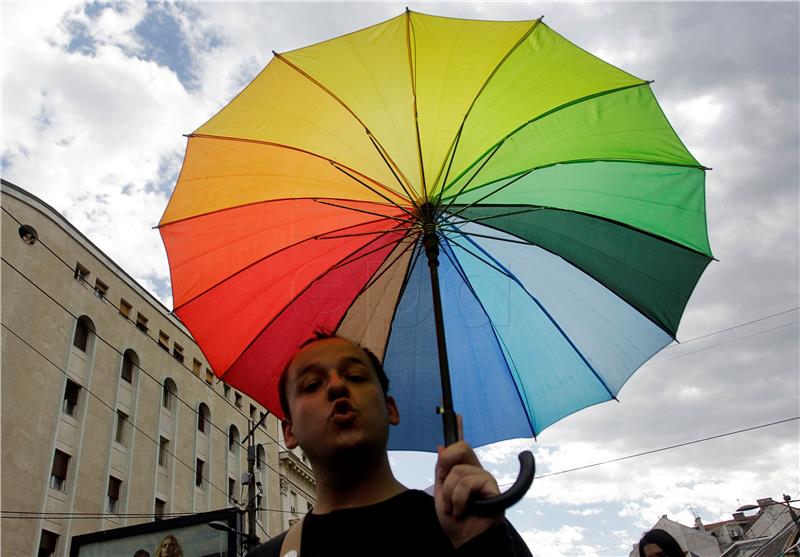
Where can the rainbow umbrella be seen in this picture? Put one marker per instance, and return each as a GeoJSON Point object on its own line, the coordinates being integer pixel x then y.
{"type": "Point", "coordinates": [483, 203]}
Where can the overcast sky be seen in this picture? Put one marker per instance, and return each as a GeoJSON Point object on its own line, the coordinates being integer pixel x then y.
{"type": "Point", "coordinates": [96, 99]}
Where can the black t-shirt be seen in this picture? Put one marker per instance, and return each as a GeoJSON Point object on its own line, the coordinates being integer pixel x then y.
{"type": "Point", "coordinates": [403, 526]}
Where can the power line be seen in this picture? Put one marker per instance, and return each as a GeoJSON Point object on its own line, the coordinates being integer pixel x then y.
{"type": "Point", "coordinates": [670, 447]}
{"type": "Point", "coordinates": [740, 325]}
{"type": "Point", "coordinates": [147, 374]}
{"type": "Point", "coordinates": [104, 403]}
{"type": "Point", "coordinates": [762, 332]}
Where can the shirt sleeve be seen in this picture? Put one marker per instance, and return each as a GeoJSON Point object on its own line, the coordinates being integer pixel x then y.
{"type": "Point", "coordinates": [500, 541]}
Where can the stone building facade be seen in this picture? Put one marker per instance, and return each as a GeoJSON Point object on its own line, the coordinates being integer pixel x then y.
{"type": "Point", "coordinates": [110, 415]}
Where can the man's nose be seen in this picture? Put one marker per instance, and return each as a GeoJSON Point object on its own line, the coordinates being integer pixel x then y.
{"type": "Point", "coordinates": [337, 387]}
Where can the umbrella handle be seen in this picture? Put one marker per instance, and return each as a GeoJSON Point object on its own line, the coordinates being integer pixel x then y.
{"type": "Point", "coordinates": [499, 503]}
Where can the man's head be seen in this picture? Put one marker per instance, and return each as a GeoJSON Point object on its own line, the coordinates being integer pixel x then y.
{"type": "Point", "coordinates": [334, 398]}
{"type": "Point", "coordinates": [319, 335]}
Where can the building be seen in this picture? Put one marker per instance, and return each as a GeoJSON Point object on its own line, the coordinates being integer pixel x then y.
{"type": "Point", "coordinates": [695, 540]}
{"type": "Point", "coordinates": [110, 414]}
{"type": "Point", "coordinates": [772, 531]}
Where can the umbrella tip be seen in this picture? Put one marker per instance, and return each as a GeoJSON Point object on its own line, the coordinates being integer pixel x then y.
{"type": "Point", "coordinates": [407, 10]}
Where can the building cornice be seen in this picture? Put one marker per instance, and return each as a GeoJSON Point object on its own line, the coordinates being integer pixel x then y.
{"type": "Point", "coordinates": [297, 466]}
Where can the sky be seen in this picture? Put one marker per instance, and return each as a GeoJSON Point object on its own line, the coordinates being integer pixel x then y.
{"type": "Point", "coordinates": [96, 99]}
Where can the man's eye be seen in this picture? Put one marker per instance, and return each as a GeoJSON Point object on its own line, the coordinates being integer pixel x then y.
{"type": "Point", "coordinates": [356, 377]}
{"type": "Point", "coordinates": [311, 386]}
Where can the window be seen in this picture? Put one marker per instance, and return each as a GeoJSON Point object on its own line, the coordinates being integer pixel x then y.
{"type": "Point", "coordinates": [100, 289]}
{"type": "Point", "coordinates": [158, 509]}
{"type": "Point", "coordinates": [226, 389]}
{"type": "Point", "coordinates": [127, 367]}
{"type": "Point", "coordinates": [125, 308]}
{"type": "Point", "coordinates": [231, 490]}
{"type": "Point", "coordinates": [262, 418]}
{"type": "Point", "coordinates": [81, 273]}
{"type": "Point", "coordinates": [197, 365]}
{"type": "Point", "coordinates": [58, 477]}
{"type": "Point", "coordinates": [209, 377]}
{"type": "Point", "coordinates": [238, 400]}
{"type": "Point", "coordinates": [202, 417]}
{"type": "Point", "coordinates": [177, 352]}
{"type": "Point", "coordinates": [163, 451]}
{"type": "Point", "coordinates": [122, 426]}
{"type": "Point", "coordinates": [169, 394]}
{"type": "Point", "coordinates": [253, 412]}
{"type": "Point", "coordinates": [293, 502]}
{"type": "Point", "coordinates": [47, 545]}
{"type": "Point", "coordinates": [141, 322]}
{"type": "Point", "coordinates": [28, 234]}
{"type": "Point", "coordinates": [233, 439]}
{"type": "Point", "coordinates": [71, 394]}
{"type": "Point", "coordinates": [198, 473]}
{"type": "Point", "coordinates": [81, 338]}
{"type": "Point", "coordinates": [163, 340]}
{"type": "Point", "coordinates": [113, 494]}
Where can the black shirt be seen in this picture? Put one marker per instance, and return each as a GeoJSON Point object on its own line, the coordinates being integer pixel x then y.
{"type": "Point", "coordinates": [405, 525]}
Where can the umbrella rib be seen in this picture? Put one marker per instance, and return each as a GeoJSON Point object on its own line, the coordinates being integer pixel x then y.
{"type": "Point", "coordinates": [563, 333]}
{"type": "Point", "coordinates": [288, 305]}
{"type": "Point", "coordinates": [261, 260]}
{"type": "Point", "coordinates": [379, 149]}
{"type": "Point", "coordinates": [400, 294]}
{"type": "Point", "coordinates": [504, 186]}
{"type": "Point", "coordinates": [413, 69]}
{"type": "Point", "coordinates": [398, 219]}
{"type": "Point", "coordinates": [370, 252]}
{"type": "Point", "coordinates": [454, 145]}
{"type": "Point", "coordinates": [468, 182]}
{"type": "Point", "coordinates": [480, 219]}
{"type": "Point", "coordinates": [523, 400]}
{"type": "Point", "coordinates": [340, 101]}
{"type": "Point", "coordinates": [345, 172]}
{"type": "Point", "coordinates": [326, 237]}
{"type": "Point", "coordinates": [373, 280]}
{"type": "Point", "coordinates": [291, 148]}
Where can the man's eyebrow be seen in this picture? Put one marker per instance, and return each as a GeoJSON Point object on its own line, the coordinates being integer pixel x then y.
{"type": "Point", "coordinates": [315, 367]}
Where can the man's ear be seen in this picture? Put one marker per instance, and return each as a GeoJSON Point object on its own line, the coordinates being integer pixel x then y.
{"type": "Point", "coordinates": [394, 412]}
{"type": "Point", "coordinates": [288, 434]}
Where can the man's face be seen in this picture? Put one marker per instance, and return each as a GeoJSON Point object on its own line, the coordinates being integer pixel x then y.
{"type": "Point", "coordinates": [336, 401]}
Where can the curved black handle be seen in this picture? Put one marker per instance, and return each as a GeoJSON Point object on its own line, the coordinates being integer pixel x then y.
{"type": "Point", "coordinates": [499, 503]}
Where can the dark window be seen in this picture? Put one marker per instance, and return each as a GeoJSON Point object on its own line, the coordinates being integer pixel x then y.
{"type": "Point", "coordinates": [58, 477]}
{"type": "Point", "coordinates": [262, 418]}
{"type": "Point", "coordinates": [209, 377]}
{"type": "Point", "coordinates": [124, 308]}
{"type": "Point", "coordinates": [28, 234]}
{"type": "Point", "coordinates": [158, 509]}
{"type": "Point", "coordinates": [81, 339]}
{"type": "Point", "coordinates": [47, 545]}
{"type": "Point", "coordinates": [226, 389]}
{"type": "Point", "coordinates": [81, 273]}
{"type": "Point", "coordinates": [127, 368]}
{"type": "Point", "coordinates": [197, 365]}
{"type": "Point", "coordinates": [170, 390]}
{"type": "Point", "coordinates": [253, 412]}
{"type": "Point", "coordinates": [231, 490]}
{"type": "Point", "coordinates": [141, 322]}
{"type": "Point", "coordinates": [114, 486]}
{"type": "Point", "coordinates": [201, 418]}
{"type": "Point", "coordinates": [122, 427]}
{"type": "Point", "coordinates": [163, 340]}
{"type": "Point", "coordinates": [177, 352]}
{"type": "Point", "coordinates": [163, 451]}
{"type": "Point", "coordinates": [100, 289]}
{"type": "Point", "coordinates": [198, 473]}
{"type": "Point", "coordinates": [238, 400]}
{"type": "Point", "coordinates": [71, 394]}
{"type": "Point", "coordinates": [233, 439]}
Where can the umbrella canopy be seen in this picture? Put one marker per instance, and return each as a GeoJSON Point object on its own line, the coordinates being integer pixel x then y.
{"type": "Point", "coordinates": [569, 215]}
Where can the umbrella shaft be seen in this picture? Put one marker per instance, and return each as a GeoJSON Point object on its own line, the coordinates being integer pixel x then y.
{"type": "Point", "coordinates": [449, 422]}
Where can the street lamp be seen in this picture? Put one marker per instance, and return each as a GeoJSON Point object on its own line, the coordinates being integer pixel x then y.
{"type": "Point", "coordinates": [222, 527]}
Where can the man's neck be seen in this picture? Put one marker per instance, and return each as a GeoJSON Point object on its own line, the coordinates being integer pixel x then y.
{"type": "Point", "coordinates": [351, 485]}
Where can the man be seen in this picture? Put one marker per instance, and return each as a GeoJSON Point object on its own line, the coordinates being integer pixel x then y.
{"type": "Point", "coordinates": [335, 398]}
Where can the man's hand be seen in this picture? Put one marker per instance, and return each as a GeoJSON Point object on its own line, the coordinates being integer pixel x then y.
{"type": "Point", "coordinates": [459, 477]}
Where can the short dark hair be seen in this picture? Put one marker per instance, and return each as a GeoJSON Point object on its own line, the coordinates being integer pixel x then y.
{"type": "Point", "coordinates": [662, 539]}
{"type": "Point", "coordinates": [322, 334]}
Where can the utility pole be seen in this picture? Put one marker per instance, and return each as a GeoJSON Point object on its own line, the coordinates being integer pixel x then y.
{"type": "Point", "coordinates": [252, 537]}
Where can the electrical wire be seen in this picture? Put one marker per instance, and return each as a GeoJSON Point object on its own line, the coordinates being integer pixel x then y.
{"type": "Point", "coordinates": [662, 449]}
{"type": "Point", "coordinates": [147, 374]}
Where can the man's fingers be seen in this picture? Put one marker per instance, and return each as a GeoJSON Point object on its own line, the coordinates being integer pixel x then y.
{"type": "Point", "coordinates": [461, 484]}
